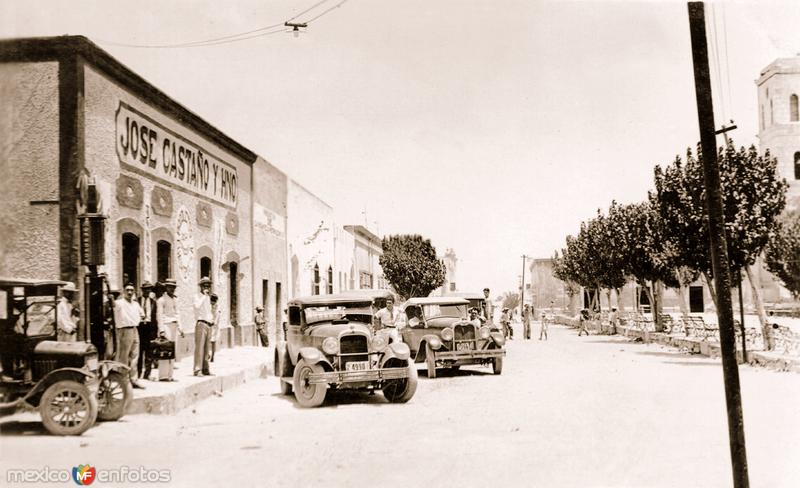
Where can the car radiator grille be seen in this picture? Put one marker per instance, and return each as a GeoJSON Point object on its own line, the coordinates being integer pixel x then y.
{"type": "Point", "coordinates": [464, 333]}
{"type": "Point", "coordinates": [353, 344]}
{"type": "Point", "coordinates": [43, 366]}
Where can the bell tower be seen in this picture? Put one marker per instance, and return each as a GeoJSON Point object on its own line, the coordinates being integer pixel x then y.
{"type": "Point", "coordinates": [779, 120]}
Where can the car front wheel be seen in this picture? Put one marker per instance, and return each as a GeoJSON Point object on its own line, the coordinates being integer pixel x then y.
{"type": "Point", "coordinates": [497, 365]}
{"type": "Point", "coordinates": [307, 394]}
{"type": "Point", "coordinates": [401, 391]}
{"type": "Point", "coordinates": [68, 408]}
{"type": "Point", "coordinates": [114, 395]}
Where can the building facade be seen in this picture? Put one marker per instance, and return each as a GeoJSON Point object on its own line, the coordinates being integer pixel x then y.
{"type": "Point", "coordinates": [367, 251]}
{"type": "Point", "coordinates": [176, 193]}
{"type": "Point", "coordinates": [310, 237]}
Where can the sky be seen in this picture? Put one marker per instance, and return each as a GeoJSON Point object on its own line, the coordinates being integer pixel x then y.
{"type": "Point", "coordinates": [491, 127]}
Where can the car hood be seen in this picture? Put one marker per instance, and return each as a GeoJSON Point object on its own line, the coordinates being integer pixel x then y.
{"type": "Point", "coordinates": [327, 329]}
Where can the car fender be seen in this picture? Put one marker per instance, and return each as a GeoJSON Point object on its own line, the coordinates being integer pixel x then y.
{"type": "Point", "coordinates": [498, 339]}
{"type": "Point", "coordinates": [74, 374]}
{"type": "Point", "coordinates": [312, 355]}
{"type": "Point", "coordinates": [398, 350]}
{"type": "Point", "coordinates": [106, 366]}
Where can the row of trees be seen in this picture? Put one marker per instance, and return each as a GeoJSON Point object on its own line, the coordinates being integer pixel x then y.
{"type": "Point", "coordinates": [664, 241]}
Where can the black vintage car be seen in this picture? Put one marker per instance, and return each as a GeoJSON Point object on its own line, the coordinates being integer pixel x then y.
{"type": "Point", "coordinates": [330, 343]}
{"type": "Point", "coordinates": [63, 380]}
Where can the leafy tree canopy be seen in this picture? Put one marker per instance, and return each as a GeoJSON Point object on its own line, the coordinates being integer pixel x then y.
{"type": "Point", "coordinates": [410, 265]}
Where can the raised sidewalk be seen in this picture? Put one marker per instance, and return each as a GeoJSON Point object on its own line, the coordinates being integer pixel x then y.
{"type": "Point", "coordinates": [231, 368]}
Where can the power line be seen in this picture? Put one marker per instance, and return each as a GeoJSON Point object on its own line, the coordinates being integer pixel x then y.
{"type": "Point", "coordinates": [241, 36]}
{"type": "Point", "coordinates": [326, 11]}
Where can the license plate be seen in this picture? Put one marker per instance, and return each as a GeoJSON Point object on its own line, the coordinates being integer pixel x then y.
{"type": "Point", "coordinates": [464, 346]}
{"type": "Point", "coordinates": [357, 366]}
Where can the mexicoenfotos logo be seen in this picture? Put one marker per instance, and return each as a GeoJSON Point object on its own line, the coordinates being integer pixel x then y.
{"type": "Point", "coordinates": [84, 474]}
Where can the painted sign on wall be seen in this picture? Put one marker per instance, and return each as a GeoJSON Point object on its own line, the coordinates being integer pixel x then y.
{"type": "Point", "coordinates": [146, 147]}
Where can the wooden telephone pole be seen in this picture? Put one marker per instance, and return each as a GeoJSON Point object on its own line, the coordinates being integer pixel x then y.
{"type": "Point", "coordinates": [719, 249]}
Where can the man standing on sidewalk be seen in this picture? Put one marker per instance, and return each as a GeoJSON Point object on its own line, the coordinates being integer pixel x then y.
{"type": "Point", "coordinates": [261, 326]}
{"type": "Point", "coordinates": [202, 329]}
{"type": "Point", "coordinates": [168, 327]}
{"type": "Point", "coordinates": [127, 316]}
{"type": "Point", "coordinates": [147, 329]}
{"type": "Point", "coordinates": [526, 321]}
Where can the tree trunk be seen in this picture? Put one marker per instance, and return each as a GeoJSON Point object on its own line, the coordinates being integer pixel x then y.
{"type": "Point", "coordinates": [658, 286]}
{"type": "Point", "coordinates": [650, 297]}
{"type": "Point", "coordinates": [766, 328]}
{"type": "Point", "coordinates": [620, 306]}
{"type": "Point", "coordinates": [682, 300]}
{"type": "Point", "coordinates": [711, 290]}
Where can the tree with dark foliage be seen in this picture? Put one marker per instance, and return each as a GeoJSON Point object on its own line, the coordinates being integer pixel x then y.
{"type": "Point", "coordinates": [410, 265]}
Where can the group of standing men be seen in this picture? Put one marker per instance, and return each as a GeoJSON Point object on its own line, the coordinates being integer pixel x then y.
{"type": "Point", "coordinates": [137, 324]}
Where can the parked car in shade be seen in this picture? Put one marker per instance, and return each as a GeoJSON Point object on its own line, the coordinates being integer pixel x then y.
{"type": "Point", "coordinates": [438, 333]}
{"type": "Point", "coordinates": [330, 344]}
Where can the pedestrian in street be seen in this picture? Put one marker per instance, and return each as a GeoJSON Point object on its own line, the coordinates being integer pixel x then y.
{"type": "Point", "coordinates": [217, 313]}
{"type": "Point", "coordinates": [67, 322]}
{"type": "Point", "coordinates": [488, 311]}
{"type": "Point", "coordinates": [261, 326]}
{"type": "Point", "coordinates": [545, 324]}
{"type": "Point", "coordinates": [505, 322]}
{"type": "Point", "coordinates": [583, 319]}
{"type": "Point", "coordinates": [169, 328]}
{"type": "Point", "coordinates": [387, 319]}
{"type": "Point", "coordinates": [202, 330]}
{"type": "Point", "coordinates": [526, 321]}
{"type": "Point", "coordinates": [613, 320]}
{"type": "Point", "coordinates": [128, 314]}
{"type": "Point", "coordinates": [148, 329]}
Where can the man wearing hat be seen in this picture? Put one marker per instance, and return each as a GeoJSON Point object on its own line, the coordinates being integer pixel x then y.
{"type": "Point", "coordinates": [261, 326]}
{"type": "Point", "coordinates": [168, 325]}
{"type": "Point", "coordinates": [202, 330]}
{"type": "Point", "coordinates": [67, 321]}
{"type": "Point", "coordinates": [148, 328]}
{"type": "Point", "coordinates": [128, 314]}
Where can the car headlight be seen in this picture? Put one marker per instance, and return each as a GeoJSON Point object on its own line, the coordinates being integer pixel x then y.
{"type": "Point", "coordinates": [379, 342]}
{"type": "Point", "coordinates": [435, 343]}
{"type": "Point", "coordinates": [484, 332]}
{"type": "Point", "coordinates": [447, 334]}
{"type": "Point", "coordinates": [330, 346]}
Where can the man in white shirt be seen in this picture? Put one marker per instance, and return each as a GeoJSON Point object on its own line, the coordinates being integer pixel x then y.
{"type": "Point", "coordinates": [202, 330]}
{"type": "Point", "coordinates": [127, 316]}
{"type": "Point", "coordinates": [168, 326]}
{"type": "Point", "coordinates": [387, 318]}
{"type": "Point", "coordinates": [489, 309]}
{"type": "Point", "coordinates": [67, 324]}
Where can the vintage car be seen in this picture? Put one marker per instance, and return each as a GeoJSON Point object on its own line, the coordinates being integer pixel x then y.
{"type": "Point", "coordinates": [63, 380]}
{"type": "Point", "coordinates": [437, 331]}
{"type": "Point", "coordinates": [330, 344]}
{"type": "Point", "coordinates": [476, 300]}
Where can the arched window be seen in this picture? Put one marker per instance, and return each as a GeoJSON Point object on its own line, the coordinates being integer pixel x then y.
{"type": "Point", "coordinates": [163, 260]}
{"type": "Point", "coordinates": [315, 285]}
{"type": "Point", "coordinates": [205, 267]}
{"type": "Point", "coordinates": [330, 280]}
{"type": "Point", "coordinates": [793, 112]}
{"type": "Point", "coordinates": [797, 165]}
{"type": "Point", "coordinates": [130, 259]}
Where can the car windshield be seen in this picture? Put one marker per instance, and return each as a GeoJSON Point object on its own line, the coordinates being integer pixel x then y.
{"type": "Point", "coordinates": [41, 316]}
{"type": "Point", "coordinates": [327, 313]}
{"type": "Point", "coordinates": [435, 310]}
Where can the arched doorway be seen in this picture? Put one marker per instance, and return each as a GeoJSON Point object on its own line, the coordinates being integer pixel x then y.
{"type": "Point", "coordinates": [130, 259]}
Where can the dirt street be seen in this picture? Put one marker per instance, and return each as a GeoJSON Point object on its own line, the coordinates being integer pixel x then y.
{"type": "Point", "coordinates": [588, 411]}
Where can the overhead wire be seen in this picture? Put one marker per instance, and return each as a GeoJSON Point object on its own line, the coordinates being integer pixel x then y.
{"type": "Point", "coordinates": [241, 36]}
{"type": "Point", "coordinates": [715, 55]}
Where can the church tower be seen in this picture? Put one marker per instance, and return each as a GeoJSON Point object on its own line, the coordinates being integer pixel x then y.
{"type": "Point", "coordinates": [779, 120]}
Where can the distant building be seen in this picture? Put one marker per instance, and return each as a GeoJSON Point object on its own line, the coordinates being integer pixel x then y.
{"type": "Point", "coordinates": [368, 273]}
{"type": "Point", "coordinates": [779, 120]}
{"type": "Point", "coordinates": [450, 284]}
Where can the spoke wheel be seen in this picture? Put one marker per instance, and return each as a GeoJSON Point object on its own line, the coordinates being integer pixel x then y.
{"type": "Point", "coordinates": [497, 365]}
{"type": "Point", "coordinates": [307, 394]}
{"type": "Point", "coordinates": [114, 395]}
{"type": "Point", "coordinates": [68, 408]}
{"type": "Point", "coordinates": [430, 361]}
{"type": "Point", "coordinates": [400, 391]}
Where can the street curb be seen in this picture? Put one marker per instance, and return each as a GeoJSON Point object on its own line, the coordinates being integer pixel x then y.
{"type": "Point", "coordinates": [172, 403]}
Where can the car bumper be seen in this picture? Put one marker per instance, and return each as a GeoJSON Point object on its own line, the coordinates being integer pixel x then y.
{"type": "Point", "coordinates": [370, 375]}
{"type": "Point", "coordinates": [471, 355]}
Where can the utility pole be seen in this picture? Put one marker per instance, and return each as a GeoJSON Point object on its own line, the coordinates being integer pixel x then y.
{"type": "Point", "coordinates": [719, 250]}
{"type": "Point", "coordinates": [522, 288]}
{"type": "Point", "coordinates": [724, 131]}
